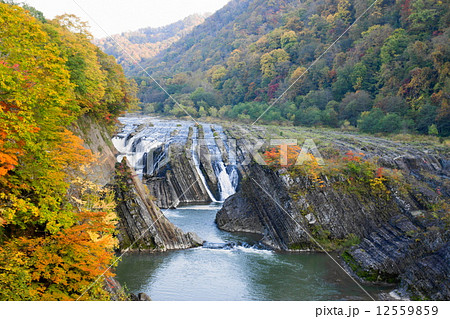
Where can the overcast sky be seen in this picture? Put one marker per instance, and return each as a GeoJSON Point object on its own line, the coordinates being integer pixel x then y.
{"type": "Point", "coordinates": [116, 16]}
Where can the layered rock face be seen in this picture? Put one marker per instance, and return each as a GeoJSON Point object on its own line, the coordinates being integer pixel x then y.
{"type": "Point", "coordinates": [408, 251]}
{"type": "Point", "coordinates": [267, 197]}
{"type": "Point", "coordinates": [142, 226]}
{"type": "Point", "coordinates": [401, 240]}
{"type": "Point", "coordinates": [97, 139]}
{"type": "Point", "coordinates": [177, 182]}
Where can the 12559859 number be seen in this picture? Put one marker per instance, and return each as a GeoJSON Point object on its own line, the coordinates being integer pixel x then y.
{"type": "Point", "coordinates": [407, 310]}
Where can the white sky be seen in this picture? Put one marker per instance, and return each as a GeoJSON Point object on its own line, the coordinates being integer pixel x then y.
{"type": "Point", "coordinates": [116, 16]}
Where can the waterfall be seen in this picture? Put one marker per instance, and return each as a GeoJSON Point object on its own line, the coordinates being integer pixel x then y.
{"type": "Point", "coordinates": [225, 184]}
{"type": "Point", "coordinates": [145, 142]}
{"type": "Point", "coordinates": [197, 164]}
{"type": "Point", "coordinates": [145, 163]}
{"type": "Point", "coordinates": [234, 176]}
{"type": "Point", "coordinates": [226, 188]}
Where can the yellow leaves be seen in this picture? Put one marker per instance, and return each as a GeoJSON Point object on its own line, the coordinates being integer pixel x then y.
{"type": "Point", "coordinates": [297, 73]}
{"type": "Point", "coordinates": [296, 79]}
{"type": "Point", "coordinates": [378, 187]}
{"type": "Point", "coordinates": [17, 210]}
{"type": "Point", "coordinates": [216, 74]}
{"type": "Point", "coordinates": [93, 236]}
{"type": "Point", "coordinates": [38, 82]}
{"type": "Point", "coordinates": [78, 201]}
{"type": "Point", "coordinates": [82, 61]}
{"type": "Point", "coordinates": [313, 170]}
{"type": "Point", "coordinates": [270, 60]}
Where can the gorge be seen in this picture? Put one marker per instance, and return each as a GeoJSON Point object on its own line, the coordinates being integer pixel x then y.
{"type": "Point", "coordinates": [303, 204]}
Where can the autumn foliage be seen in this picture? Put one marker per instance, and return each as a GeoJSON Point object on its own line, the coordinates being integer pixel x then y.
{"type": "Point", "coordinates": [283, 156]}
{"type": "Point", "coordinates": [56, 227]}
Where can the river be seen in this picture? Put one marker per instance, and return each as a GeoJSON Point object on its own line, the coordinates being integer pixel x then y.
{"type": "Point", "coordinates": [240, 271]}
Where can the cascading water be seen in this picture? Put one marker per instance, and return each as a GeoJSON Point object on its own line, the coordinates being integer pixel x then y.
{"type": "Point", "coordinates": [139, 141]}
{"type": "Point", "coordinates": [225, 184]}
{"type": "Point", "coordinates": [219, 270]}
{"type": "Point", "coordinates": [197, 164]}
{"type": "Point", "coordinates": [226, 188]}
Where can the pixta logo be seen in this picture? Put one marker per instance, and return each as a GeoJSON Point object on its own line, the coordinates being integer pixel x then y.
{"type": "Point", "coordinates": [273, 152]}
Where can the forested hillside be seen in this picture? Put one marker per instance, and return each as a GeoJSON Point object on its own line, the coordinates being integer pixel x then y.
{"type": "Point", "coordinates": [148, 42]}
{"type": "Point", "coordinates": [388, 73]}
{"type": "Point", "coordinates": [56, 226]}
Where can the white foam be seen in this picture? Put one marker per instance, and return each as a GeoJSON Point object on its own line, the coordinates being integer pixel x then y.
{"type": "Point", "coordinates": [394, 294]}
{"type": "Point", "coordinates": [251, 250]}
{"type": "Point", "coordinates": [171, 213]}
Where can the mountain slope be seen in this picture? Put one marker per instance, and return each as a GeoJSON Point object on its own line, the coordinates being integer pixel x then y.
{"type": "Point", "coordinates": [239, 22]}
{"type": "Point", "coordinates": [147, 42]}
{"type": "Point", "coordinates": [389, 73]}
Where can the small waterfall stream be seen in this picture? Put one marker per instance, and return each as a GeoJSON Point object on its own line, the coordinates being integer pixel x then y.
{"type": "Point", "coordinates": [225, 183]}
{"type": "Point", "coordinates": [197, 164]}
{"type": "Point", "coordinates": [226, 188]}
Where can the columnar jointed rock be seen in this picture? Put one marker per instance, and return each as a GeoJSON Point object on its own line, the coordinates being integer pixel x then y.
{"type": "Point", "coordinates": [142, 226]}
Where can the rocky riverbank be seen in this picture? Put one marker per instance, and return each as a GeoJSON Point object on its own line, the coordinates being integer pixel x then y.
{"type": "Point", "coordinates": [396, 233]}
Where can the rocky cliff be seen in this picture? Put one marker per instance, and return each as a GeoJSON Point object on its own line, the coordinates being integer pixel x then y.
{"type": "Point", "coordinates": [177, 182]}
{"type": "Point", "coordinates": [401, 227]}
{"type": "Point", "coordinates": [97, 139]}
{"type": "Point", "coordinates": [141, 223]}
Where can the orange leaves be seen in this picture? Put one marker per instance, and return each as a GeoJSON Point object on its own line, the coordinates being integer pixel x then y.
{"type": "Point", "coordinates": [70, 152]}
{"type": "Point", "coordinates": [272, 156]}
{"type": "Point", "coordinates": [282, 156]}
{"type": "Point", "coordinates": [13, 128]}
{"type": "Point", "coordinates": [60, 266]}
{"type": "Point", "coordinates": [7, 161]}
{"type": "Point", "coordinates": [289, 156]}
{"type": "Point", "coordinates": [352, 157]}
{"type": "Point", "coordinates": [379, 172]}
